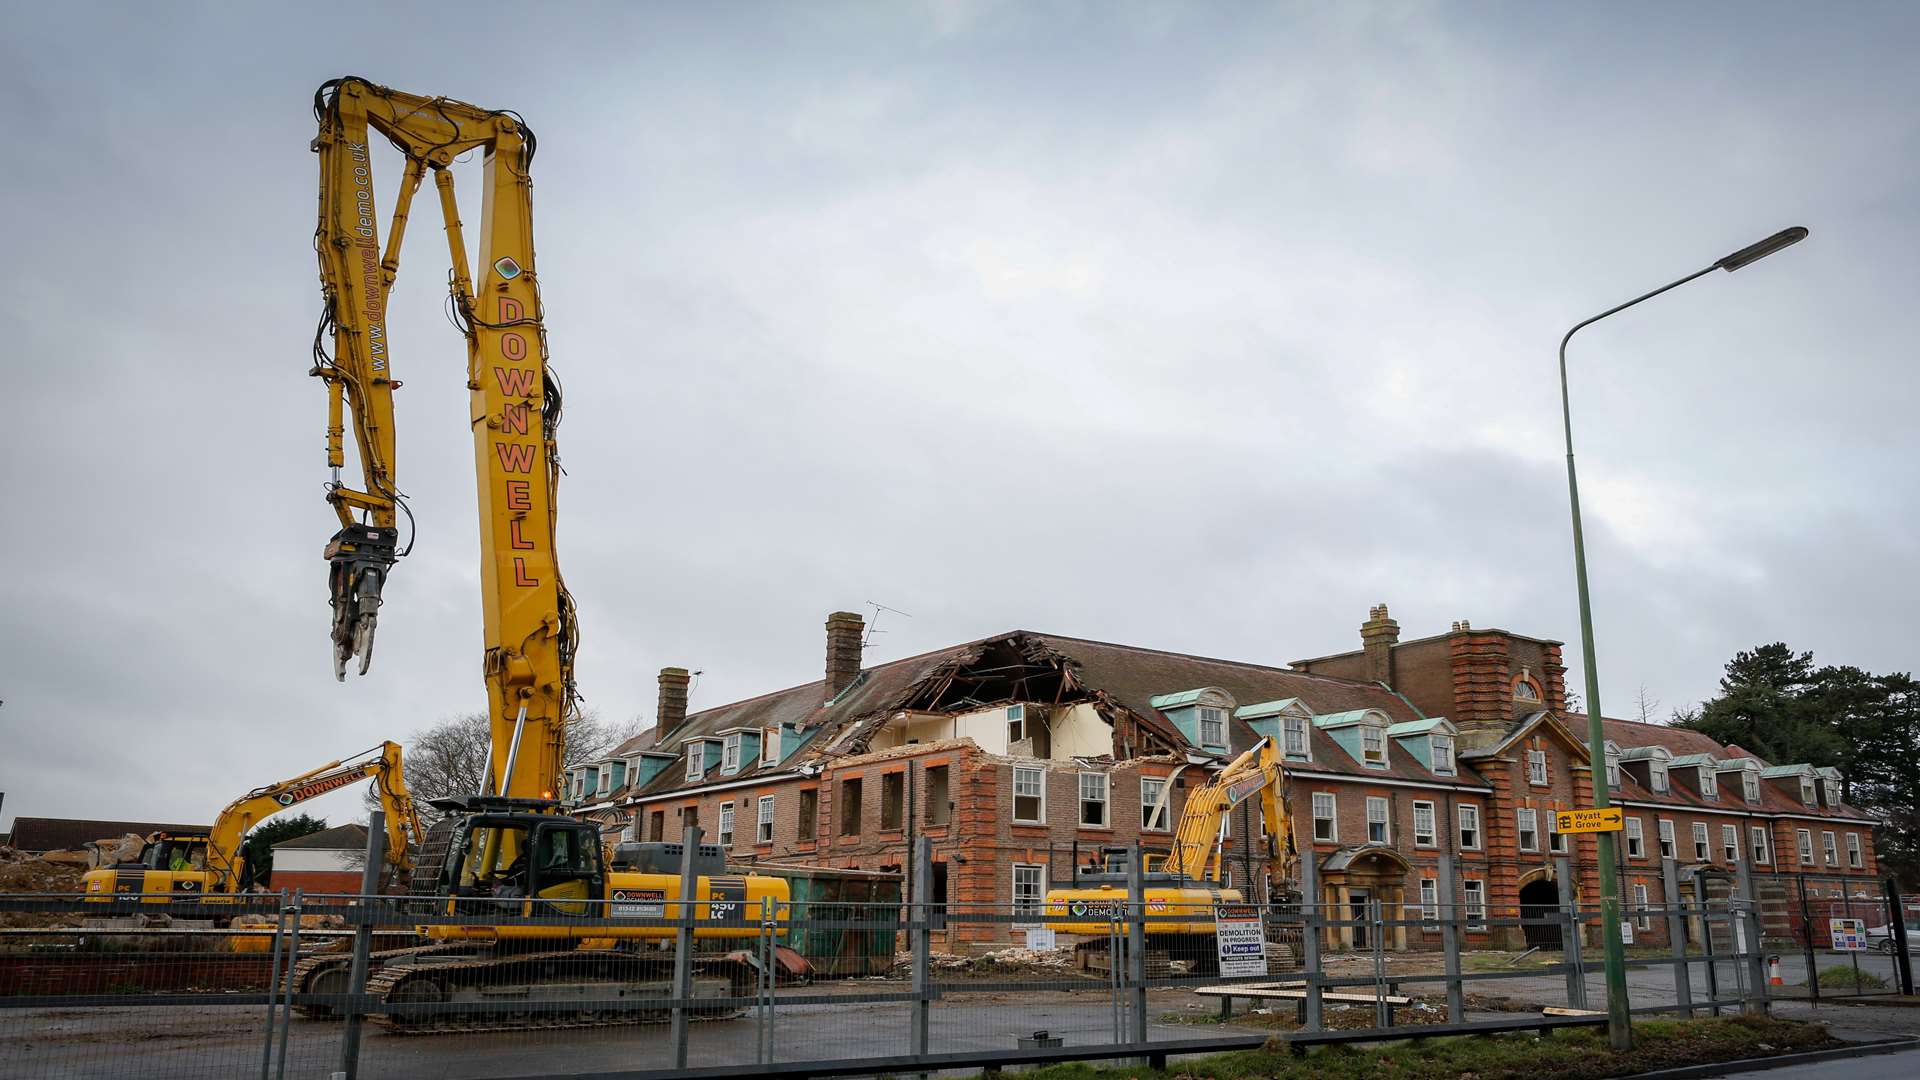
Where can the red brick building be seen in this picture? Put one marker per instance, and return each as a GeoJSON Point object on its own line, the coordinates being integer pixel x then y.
{"type": "Point", "coordinates": [1021, 755]}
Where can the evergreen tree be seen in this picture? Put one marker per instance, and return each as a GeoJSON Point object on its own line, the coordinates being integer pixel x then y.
{"type": "Point", "coordinates": [258, 845]}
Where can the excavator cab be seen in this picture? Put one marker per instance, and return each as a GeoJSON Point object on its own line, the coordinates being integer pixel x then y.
{"type": "Point", "coordinates": [492, 860]}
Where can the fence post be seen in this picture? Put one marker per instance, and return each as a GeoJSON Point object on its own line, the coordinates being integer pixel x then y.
{"type": "Point", "coordinates": [922, 939]}
{"type": "Point", "coordinates": [273, 982]}
{"type": "Point", "coordinates": [1137, 944]}
{"type": "Point", "coordinates": [293, 958]}
{"type": "Point", "coordinates": [1806, 941]}
{"type": "Point", "coordinates": [1897, 933]}
{"type": "Point", "coordinates": [1570, 934]}
{"type": "Point", "coordinates": [1677, 936]}
{"type": "Point", "coordinates": [1755, 1000]}
{"type": "Point", "coordinates": [364, 917]}
{"type": "Point", "coordinates": [1450, 942]}
{"type": "Point", "coordinates": [1310, 920]}
{"type": "Point", "coordinates": [683, 942]}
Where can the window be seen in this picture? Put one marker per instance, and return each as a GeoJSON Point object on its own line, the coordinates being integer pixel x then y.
{"type": "Point", "coordinates": [1657, 773]}
{"type": "Point", "coordinates": [579, 786]}
{"type": "Point", "coordinates": [1709, 784]}
{"type": "Point", "coordinates": [1475, 894]}
{"type": "Point", "coordinates": [1423, 831]}
{"type": "Point", "coordinates": [726, 824]}
{"type": "Point", "coordinates": [809, 813]}
{"type": "Point", "coordinates": [1833, 793]}
{"type": "Point", "coordinates": [1832, 852]}
{"type": "Point", "coordinates": [1373, 745]}
{"type": "Point", "coordinates": [769, 746]}
{"type": "Point", "coordinates": [1016, 723]}
{"type": "Point", "coordinates": [1668, 849]}
{"type": "Point", "coordinates": [939, 799]}
{"type": "Point", "coordinates": [606, 780]}
{"type": "Point", "coordinates": [730, 755]}
{"type": "Point", "coordinates": [1293, 730]}
{"type": "Point", "coordinates": [1442, 746]}
{"type": "Point", "coordinates": [1750, 785]}
{"type": "Point", "coordinates": [1524, 690]}
{"type": "Point", "coordinates": [696, 760]}
{"type": "Point", "coordinates": [1153, 816]}
{"type": "Point", "coordinates": [1804, 837]}
{"type": "Point", "coordinates": [1636, 839]}
{"type": "Point", "coordinates": [630, 831]}
{"type": "Point", "coordinates": [1700, 842]}
{"type": "Point", "coordinates": [1556, 840]}
{"type": "Point", "coordinates": [1429, 898]}
{"type": "Point", "coordinates": [1470, 827]}
{"type": "Point", "coordinates": [1809, 792]}
{"type": "Point", "coordinates": [1730, 842]}
{"type": "Point", "coordinates": [1537, 768]}
{"type": "Point", "coordinates": [1093, 800]}
{"type": "Point", "coordinates": [1529, 827]}
{"type": "Point", "coordinates": [1378, 831]}
{"type": "Point", "coordinates": [1029, 794]}
{"type": "Point", "coordinates": [1613, 766]}
{"type": "Point", "coordinates": [1029, 888]}
{"type": "Point", "coordinates": [1757, 836]}
{"type": "Point", "coordinates": [1640, 905]}
{"type": "Point", "coordinates": [1213, 726]}
{"type": "Point", "coordinates": [849, 809]}
{"type": "Point", "coordinates": [1325, 828]}
{"type": "Point", "coordinates": [893, 799]}
{"type": "Point", "coordinates": [764, 829]}
{"type": "Point", "coordinates": [657, 826]}
{"type": "Point", "coordinates": [1854, 858]}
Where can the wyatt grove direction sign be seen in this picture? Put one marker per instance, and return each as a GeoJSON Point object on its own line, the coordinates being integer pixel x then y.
{"type": "Point", "coordinates": [1576, 821]}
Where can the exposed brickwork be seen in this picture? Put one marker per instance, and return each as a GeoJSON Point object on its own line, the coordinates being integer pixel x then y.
{"type": "Point", "coordinates": [1482, 685]}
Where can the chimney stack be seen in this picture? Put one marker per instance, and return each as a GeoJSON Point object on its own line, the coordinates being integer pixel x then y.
{"type": "Point", "coordinates": [844, 631]}
{"type": "Point", "coordinates": [1378, 635]}
{"type": "Point", "coordinates": [672, 708]}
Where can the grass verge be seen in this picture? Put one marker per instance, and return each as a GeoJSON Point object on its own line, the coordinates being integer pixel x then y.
{"type": "Point", "coordinates": [1567, 1054]}
{"type": "Point", "coordinates": [1843, 977]}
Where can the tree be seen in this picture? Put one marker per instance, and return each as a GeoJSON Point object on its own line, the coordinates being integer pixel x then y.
{"type": "Point", "coordinates": [1644, 703]}
{"type": "Point", "coordinates": [1777, 704]}
{"type": "Point", "coordinates": [258, 846]}
{"type": "Point", "coordinates": [449, 759]}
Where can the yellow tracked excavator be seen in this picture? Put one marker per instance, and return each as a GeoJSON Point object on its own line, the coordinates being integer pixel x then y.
{"type": "Point", "coordinates": [509, 850]}
{"type": "Point", "coordinates": [1182, 888]}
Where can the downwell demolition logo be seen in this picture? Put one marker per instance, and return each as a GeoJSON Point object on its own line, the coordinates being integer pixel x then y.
{"type": "Point", "coordinates": [318, 787]}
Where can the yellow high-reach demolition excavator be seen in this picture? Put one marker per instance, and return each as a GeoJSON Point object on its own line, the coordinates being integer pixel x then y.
{"type": "Point", "coordinates": [509, 850]}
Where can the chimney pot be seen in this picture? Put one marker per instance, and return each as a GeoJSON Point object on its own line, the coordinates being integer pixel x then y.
{"type": "Point", "coordinates": [845, 629]}
{"type": "Point", "coordinates": [1378, 636]}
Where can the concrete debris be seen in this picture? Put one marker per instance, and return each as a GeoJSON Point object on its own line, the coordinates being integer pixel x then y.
{"type": "Point", "coordinates": [20, 873]}
{"type": "Point", "coordinates": [126, 849]}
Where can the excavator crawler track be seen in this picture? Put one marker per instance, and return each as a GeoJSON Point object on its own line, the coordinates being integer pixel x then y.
{"type": "Point", "coordinates": [507, 981]}
{"type": "Point", "coordinates": [311, 968]}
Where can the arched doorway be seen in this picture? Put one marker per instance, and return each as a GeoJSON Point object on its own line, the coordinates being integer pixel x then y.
{"type": "Point", "coordinates": [1357, 882]}
{"type": "Point", "coordinates": [1540, 899]}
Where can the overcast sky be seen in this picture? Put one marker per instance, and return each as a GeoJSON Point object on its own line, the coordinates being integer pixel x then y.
{"type": "Point", "coordinates": [1196, 327]}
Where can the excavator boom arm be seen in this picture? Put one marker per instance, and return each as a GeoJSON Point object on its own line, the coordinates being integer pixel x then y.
{"type": "Point", "coordinates": [529, 624]}
{"type": "Point", "coordinates": [1197, 840]}
{"type": "Point", "coordinates": [242, 814]}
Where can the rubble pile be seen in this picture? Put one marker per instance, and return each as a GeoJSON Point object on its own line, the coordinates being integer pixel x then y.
{"type": "Point", "coordinates": [1012, 959]}
{"type": "Point", "coordinates": [53, 872]}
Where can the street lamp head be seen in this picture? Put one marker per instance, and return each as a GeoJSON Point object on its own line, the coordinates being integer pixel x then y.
{"type": "Point", "coordinates": [1755, 252]}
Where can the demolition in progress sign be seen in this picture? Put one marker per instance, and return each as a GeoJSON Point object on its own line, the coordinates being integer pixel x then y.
{"type": "Point", "coordinates": [1241, 939]}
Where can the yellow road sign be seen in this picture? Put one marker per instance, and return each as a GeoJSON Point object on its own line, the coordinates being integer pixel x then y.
{"type": "Point", "coordinates": [1575, 821]}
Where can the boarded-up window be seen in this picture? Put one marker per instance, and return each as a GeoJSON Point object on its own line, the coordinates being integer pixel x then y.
{"type": "Point", "coordinates": [809, 810]}
{"type": "Point", "coordinates": [939, 799]}
{"type": "Point", "coordinates": [893, 799]}
{"type": "Point", "coordinates": [657, 825]}
{"type": "Point", "coordinates": [849, 809]}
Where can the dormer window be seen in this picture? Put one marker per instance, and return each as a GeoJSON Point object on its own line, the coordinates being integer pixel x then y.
{"type": "Point", "coordinates": [1709, 784]}
{"type": "Point", "coordinates": [730, 755]}
{"type": "Point", "coordinates": [1613, 765]}
{"type": "Point", "coordinates": [1657, 775]}
{"type": "Point", "coordinates": [1213, 726]}
{"type": "Point", "coordinates": [1833, 793]}
{"type": "Point", "coordinates": [1809, 792]}
{"type": "Point", "coordinates": [1293, 730]}
{"type": "Point", "coordinates": [769, 746]}
{"type": "Point", "coordinates": [606, 779]}
{"type": "Point", "coordinates": [1750, 785]}
{"type": "Point", "coordinates": [1373, 745]}
{"type": "Point", "coordinates": [696, 760]}
{"type": "Point", "coordinates": [1442, 747]}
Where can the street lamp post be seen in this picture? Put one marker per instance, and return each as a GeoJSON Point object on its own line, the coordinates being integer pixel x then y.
{"type": "Point", "coordinates": [1619, 1026]}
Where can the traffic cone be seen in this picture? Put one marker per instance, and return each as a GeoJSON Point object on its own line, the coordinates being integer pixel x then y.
{"type": "Point", "coordinates": [1773, 972]}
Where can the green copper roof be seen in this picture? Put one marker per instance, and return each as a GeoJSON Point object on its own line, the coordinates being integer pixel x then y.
{"type": "Point", "coordinates": [1787, 770]}
{"type": "Point", "coordinates": [1685, 760]}
{"type": "Point", "coordinates": [1642, 753]}
{"type": "Point", "coordinates": [1419, 727]}
{"type": "Point", "coordinates": [1265, 708]}
{"type": "Point", "coordinates": [1341, 719]}
{"type": "Point", "coordinates": [1174, 701]}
